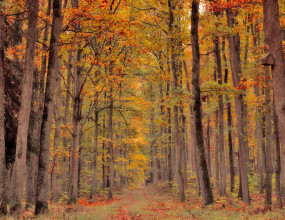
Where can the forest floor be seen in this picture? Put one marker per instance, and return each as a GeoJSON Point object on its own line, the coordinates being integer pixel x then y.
{"type": "Point", "coordinates": [159, 203]}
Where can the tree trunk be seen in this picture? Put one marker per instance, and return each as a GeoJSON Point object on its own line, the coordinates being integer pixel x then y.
{"type": "Point", "coordinates": [2, 113]}
{"type": "Point", "coordinates": [94, 180]}
{"type": "Point", "coordinates": [42, 182]}
{"type": "Point", "coordinates": [268, 137]}
{"type": "Point", "coordinates": [153, 148]}
{"type": "Point", "coordinates": [208, 151]}
{"type": "Point", "coordinates": [273, 33]}
{"type": "Point", "coordinates": [169, 135]}
{"type": "Point", "coordinates": [217, 162]}
{"type": "Point", "coordinates": [77, 106]}
{"type": "Point", "coordinates": [234, 55]}
{"type": "Point", "coordinates": [24, 114]}
{"type": "Point", "coordinates": [125, 166]}
{"type": "Point", "coordinates": [110, 136]}
{"type": "Point", "coordinates": [32, 150]}
{"type": "Point", "coordinates": [230, 123]}
{"type": "Point", "coordinates": [207, 195]}
{"type": "Point", "coordinates": [259, 141]}
{"type": "Point", "coordinates": [193, 142]}
{"type": "Point", "coordinates": [278, 162]}
{"type": "Point", "coordinates": [65, 122]}
{"type": "Point", "coordinates": [58, 119]}
{"type": "Point", "coordinates": [103, 153]}
{"type": "Point", "coordinates": [221, 120]}
{"type": "Point", "coordinates": [176, 70]}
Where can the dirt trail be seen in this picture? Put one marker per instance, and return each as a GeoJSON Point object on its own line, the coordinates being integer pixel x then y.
{"type": "Point", "coordinates": [148, 204]}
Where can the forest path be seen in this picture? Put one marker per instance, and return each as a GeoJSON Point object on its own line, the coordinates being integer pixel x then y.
{"type": "Point", "coordinates": [153, 203]}
{"type": "Point", "coordinates": [147, 204]}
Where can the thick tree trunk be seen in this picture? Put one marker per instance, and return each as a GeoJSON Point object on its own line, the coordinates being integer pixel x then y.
{"type": "Point", "coordinates": [32, 154]}
{"type": "Point", "coordinates": [33, 157]}
{"type": "Point", "coordinates": [32, 163]}
{"type": "Point", "coordinates": [278, 162]}
{"type": "Point", "coordinates": [273, 33]}
{"type": "Point", "coordinates": [207, 195]}
{"type": "Point", "coordinates": [24, 114]}
{"type": "Point", "coordinates": [234, 55]}
{"type": "Point", "coordinates": [58, 119]}
{"type": "Point", "coordinates": [2, 112]}
{"type": "Point", "coordinates": [42, 182]}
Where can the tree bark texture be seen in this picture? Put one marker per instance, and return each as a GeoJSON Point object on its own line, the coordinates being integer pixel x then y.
{"type": "Point", "coordinates": [273, 33]}
{"type": "Point", "coordinates": [42, 182]}
{"type": "Point", "coordinates": [235, 61]}
{"type": "Point", "coordinates": [77, 107]}
{"type": "Point", "coordinates": [207, 195]}
{"type": "Point", "coordinates": [2, 113]}
{"type": "Point", "coordinates": [25, 109]}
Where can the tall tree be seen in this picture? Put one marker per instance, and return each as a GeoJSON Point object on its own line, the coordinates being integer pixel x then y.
{"type": "Point", "coordinates": [235, 61]}
{"type": "Point", "coordinates": [273, 33]}
{"type": "Point", "coordinates": [42, 182]}
{"type": "Point", "coordinates": [64, 176]}
{"type": "Point", "coordinates": [76, 119]}
{"type": "Point", "coordinates": [56, 143]}
{"type": "Point", "coordinates": [96, 131]}
{"type": "Point", "coordinates": [175, 51]}
{"type": "Point", "coordinates": [207, 194]}
{"type": "Point", "coordinates": [111, 148]}
{"type": "Point", "coordinates": [221, 119]}
{"type": "Point", "coordinates": [24, 114]}
{"type": "Point", "coordinates": [2, 111]}
{"type": "Point", "coordinates": [230, 123]}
